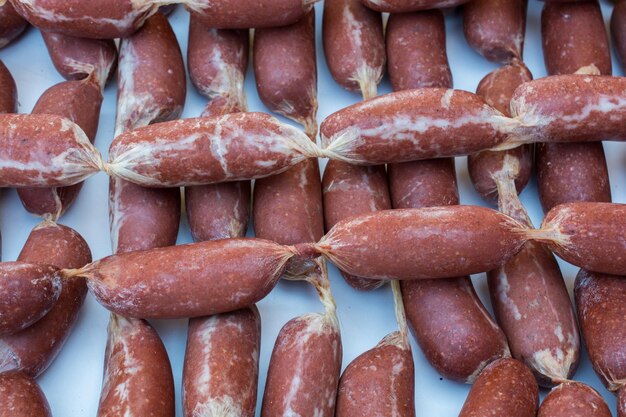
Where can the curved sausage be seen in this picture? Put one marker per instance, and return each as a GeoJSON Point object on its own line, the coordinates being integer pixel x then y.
{"type": "Point", "coordinates": [8, 91]}
{"type": "Point", "coordinates": [12, 23]}
{"type": "Point", "coordinates": [618, 31]}
{"type": "Point", "coordinates": [480, 238]}
{"type": "Point", "coordinates": [80, 102]}
{"type": "Point", "coordinates": [573, 399]}
{"type": "Point", "coordinates": [222, 364]}
{"type": "Point", "coordinates": [138, 377]}
{"type": "Point", "coordinates": [588, 235]}
{"type": "Point", "coordinates": [406, 6]}
{"type": "Point", "coordinates": [27, 292]}
{"type": "Point", "coordinates": [354, 45]}
{"type": "Point", "coordinates": [76, 58]}
{"type": "Point", "coordinates": [33, 349]}
{"type": "Point", "coordinates": [69, 155]}
{"type": "Point", "coordinates": [244, 14]}
{"type": "Point", "coordinates": [504, 388]}
{"type": "Point", "coordinates": [21, 396]}
{"type": "Point", "coordinates": [288, 88]}
{"type": "Point", "coordinates": [99, 19]}
{"type": "Point", "coordinates": [601, 305]}
{"type": "Point", "coordinates": [496, 89]}
{"type": "Point", "coordinates": [198, 279]}
{"type": "Point", "coordinates": [496, 28]}
{"type": "Point", "coordinates": [207, 150]}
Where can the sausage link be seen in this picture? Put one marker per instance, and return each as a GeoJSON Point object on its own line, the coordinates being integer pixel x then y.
{"type": "Point", "coordinates": [244, 14]}
{"type": "Point", "coordinates": [354, 45]}
{"type": "Point", "coordinates": [222, 364]}
{"type": "Point", "coordinates": [621, 403]}
{"type": "Point", "coordinates": [99, 19]}
{"type": "Point", "coordinates": [288, 88]}
{"type": "Point", "coordinates": [618, 31]}
{"type": "Point", "coordinates": [8, 91]}
{"type": "Point", "coordinates": [496, 28]}
{"type": "Point", "coordinates": [191, 280]}
{"type": "Point", "coordinates": [21, 396]}
{"type": "Point", "coordinates": [33, 349]}
{"type": "Point", "coordinates": [406, 6]}
{"type": "Point", "coordinates": [601, 305]}
{"type": "Point", "coordinates": [12, 24]}
{"type": "Point", "coordinates": [80, 102]}
{"type": "Point", "coordinates": [76, 58]}
{"type": "Point", "coordinates": [138, 377]}
{"type": "Point", "coordinates": [27, 292]}
{"type": "Point", "coordinates": [207, 150]}
{"type": "Point", "coordinates": [504, 388]}
{"type": "Point", "coordinates": [573, 399]}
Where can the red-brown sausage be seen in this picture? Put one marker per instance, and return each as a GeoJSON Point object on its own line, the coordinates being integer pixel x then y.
{"type": "Point", "coordinates": [8, 91]}
{"type": "Point", "coordinates": [197, 279]}
{"type": "Point", "coordinates": [601, 305]}
{"type": "Point", "coordinates": [21, 396]}
{"type": "Point", "coordinates": [406, 6]}
{"type": "Point", "coordinates": [100, 19]}
{"type": "Point", "coordinates": [207, 150]}
{"type": "Point", "coordinates": [588, 235]}
{"type": "Point", "coordinates": [27, 292]}
{"type": "Point", "coordinates": [76, 58]}
{"type": "Point", "coordinates": [244, 14]}
{"type": "Point", "coordinates": [33, 349]}
{"type": "Point", "coordinates": [504, 388]}
{"type": "Point", "coordinates": [621, 403]}
{"type": "Point", "coordinates": [138, 377]}
{"type": "Point", "coordinates": [573, 399]}
{"type": "Point", "coordinates": [496, 89]}
{"type": "Point", "coordinates": [288, 88]}
{"type": "Point", "coordinates": [496, 28]}
{"type": "Point", "coordinates": [480, 238]}
{"type": "Point", "coordinates": [222, 364]}
{"type": "Point", "coordinates": [80, 102]}
{"type": "Point", "coordinates": [354, 45]}
{"type": "Point", "coordinates": [11, 23]}
{"type": "Point", "coordinates": [618, 31]}
{"type": "Point", "coordinates": [44, 150]}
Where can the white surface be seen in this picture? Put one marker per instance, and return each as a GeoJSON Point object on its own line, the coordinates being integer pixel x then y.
{"type": "Point", "coordinates": [73, 382]}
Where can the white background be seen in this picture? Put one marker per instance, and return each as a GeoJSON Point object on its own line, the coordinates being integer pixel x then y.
{"type": "Point", "coordinates": [72, 384]}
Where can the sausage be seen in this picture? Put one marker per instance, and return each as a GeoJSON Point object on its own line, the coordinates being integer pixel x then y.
{"type": "Point", "coordinates": [496, 28]}
{"type": "Point", "coordinates": [351, 190]}
{"type": "Point", "coordinates": [480, 238]}
{"type": "Point", "coordinates": [33, 349]}
{"type": "Point", "coordinates": [21, 396]}
{"type": "Point", "coordinates": [504, 388]}
{"type": "Point", "coordinates": [80, 102]}
{"type": "Point", "coordinates": [8, 91]}
{"type": "Point", "coordinates": [573, 36]}
{"type": "Point", "coordinates": [426, 183]}
{"type": "Point", "coordinates": [289, 88]}
{"type": "Point", "coordinates": [217, 61]}
{"type": "Point", "coordinates": [28, 291]}
{"type": "Point", "coordinates": [618, 31]}
{"type": "Point", "coordinates": [406, 6]}
{"type": "Point", "coordinates": [354, 45]}
{"type": "Point", "coordinates": [76, 58]}
{"type": "Point", "coordinates": [207, 150]}
{"type": "Point", "coordinates": [138, 377]}
{"type": "Point", "coordinates": [496, 89]}
{"type": "Point", "coordinates": [12, 23]}
{"type": "Point", "coordinates": [621, 403]}
{"type": "Point", "coordinates": [414, 61]}
{"type": "Point", "coordinates": [99, 19]}
{"type": "Point", "coordinates": [191, 280]}
{"type": "Point", "coordinates": [244, 14]}
{"type": "Point", "coordinates": [151, 76]}
{"type": "Point", "coordinates": [411, 125]}
{"type": "Point", "coordinates": [601, 309]}
{"type": "Point", "coordinates": [69, 155]}
{"type": "Point", "coordinates": [571, 108]}
{"type": "Point", "coordinates": [573, 399]}
{"type": "Point", "coordinates": [222, 364]}
{"type": "Point", "coordinates": [588, 235]}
